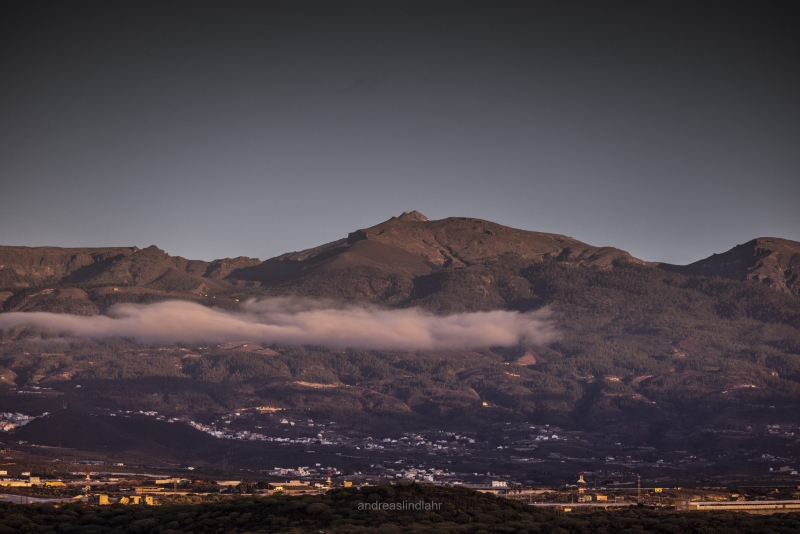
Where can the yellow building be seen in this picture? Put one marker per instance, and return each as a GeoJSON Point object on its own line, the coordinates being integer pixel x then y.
{"type": "Point", "coordinates": [99, 500]}
{"type": "Point", "coordinates": [163, 481]}
{"type": "Point", "coordinates": [147, 489]}
{"type": "Point", "coordinates": [293, 486]}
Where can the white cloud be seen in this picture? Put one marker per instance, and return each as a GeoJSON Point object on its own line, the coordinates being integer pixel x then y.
{"type": "Point", "coordinates": [294, 321]}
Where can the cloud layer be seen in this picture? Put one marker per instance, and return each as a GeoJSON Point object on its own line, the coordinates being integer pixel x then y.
{"type": "Point", "coordinates": [293, 321]}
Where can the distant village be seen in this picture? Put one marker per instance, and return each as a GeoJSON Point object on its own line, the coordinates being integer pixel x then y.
{"type": "Point", "coordinates": [422, 456]}
{"type": "Point", "coordinates": [10, 421]}
{"type": "Point", "coordinates": [411, 457]}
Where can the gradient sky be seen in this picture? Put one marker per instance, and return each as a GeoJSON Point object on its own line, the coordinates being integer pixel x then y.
{"type": "Point", "coordinates": [216, 129]}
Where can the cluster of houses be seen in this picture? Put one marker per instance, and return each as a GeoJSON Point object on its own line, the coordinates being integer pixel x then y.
{"type": "Point", "coordinates": [10, 421]}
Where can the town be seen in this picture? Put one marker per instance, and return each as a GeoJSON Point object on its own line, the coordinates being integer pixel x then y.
{"type": "Point", "coordinates": [520, 456]}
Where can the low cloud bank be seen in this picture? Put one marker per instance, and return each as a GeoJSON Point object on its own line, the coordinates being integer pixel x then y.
{"type": "Point", "coordinates": [293, 321]}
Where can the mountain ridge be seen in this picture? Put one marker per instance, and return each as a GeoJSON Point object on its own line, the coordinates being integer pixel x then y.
{"type": "Point", "coordinates": [772, 261]}
{"type": "Point", "coordinates": [387, 263]}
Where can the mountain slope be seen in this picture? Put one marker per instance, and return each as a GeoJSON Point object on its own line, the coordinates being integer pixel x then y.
{"type": "Point", "coordinates": [35, 266]}
{"type": "Point", "coordinates": [394, 263]}
{"type": "Point", "coordinates": [447, 265]}
{"type": "Point", "coordinates": [772, 261]}
{"type": "Point", "coordinates": [460, 241]}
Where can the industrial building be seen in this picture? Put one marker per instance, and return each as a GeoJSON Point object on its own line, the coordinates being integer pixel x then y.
{"type": "Point", "coordinates": [751, 507]}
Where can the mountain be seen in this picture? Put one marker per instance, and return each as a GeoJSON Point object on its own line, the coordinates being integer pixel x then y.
{"type": "Point", "coordinates": [771, 261]}
{"type": "Point", "coordinates": [402, 261]}
{"type": "Point", "coordinates": [37, 266]}
{"type": "Point", "coordinates": [414, 244]}
{"type": "Point", "coordinates": [394, 263]}
{"type": "Point", "coordinates": [650, 353]}
{"type": "Point", "coordinates": [87, 280]}
{"type": "Point", "coordinates": [453, 264]}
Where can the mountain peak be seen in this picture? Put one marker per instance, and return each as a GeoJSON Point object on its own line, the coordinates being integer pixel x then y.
{"type": "Point", "coordinates": [413, 216]}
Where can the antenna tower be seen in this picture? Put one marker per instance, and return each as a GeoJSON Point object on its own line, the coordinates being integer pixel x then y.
{"type": "Point", "coordinates": [638, 488]}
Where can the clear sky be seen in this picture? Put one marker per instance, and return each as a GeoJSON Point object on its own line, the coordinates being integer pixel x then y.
{"type": "Point", "coordinates": [215, 129]}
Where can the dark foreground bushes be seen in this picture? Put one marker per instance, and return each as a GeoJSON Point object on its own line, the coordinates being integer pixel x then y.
{"type": "Point", "coordinates": [450, 510]}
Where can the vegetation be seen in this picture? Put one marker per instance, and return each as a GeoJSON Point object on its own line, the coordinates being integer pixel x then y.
{"type": "Point", "coordinates": [460, 510]}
